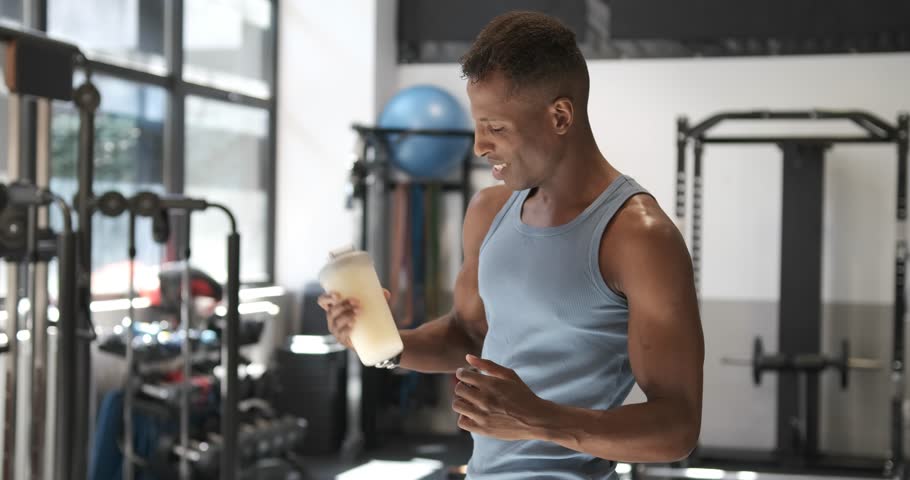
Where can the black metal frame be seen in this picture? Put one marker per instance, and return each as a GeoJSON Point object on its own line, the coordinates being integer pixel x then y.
{"type": "Point", "coordinates": [809, 150]}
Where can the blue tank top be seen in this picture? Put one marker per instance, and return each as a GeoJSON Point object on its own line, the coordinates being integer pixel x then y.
{"type": "Point", "coordinates": [553, 320]}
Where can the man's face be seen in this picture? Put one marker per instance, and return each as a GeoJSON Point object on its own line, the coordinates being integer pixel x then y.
{"type": "Point", "coordinates": [513, 131]}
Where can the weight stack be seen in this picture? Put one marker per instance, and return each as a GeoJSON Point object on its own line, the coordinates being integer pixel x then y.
{"type": "Point", "coordinates": [310, 382]}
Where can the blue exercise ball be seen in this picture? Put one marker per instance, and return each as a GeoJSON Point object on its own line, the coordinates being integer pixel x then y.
{"type": "Point", "coordinates": [426, 107]}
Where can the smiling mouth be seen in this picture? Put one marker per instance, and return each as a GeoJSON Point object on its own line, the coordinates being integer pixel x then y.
{"type": "Point", "coordinates": [498, 170]}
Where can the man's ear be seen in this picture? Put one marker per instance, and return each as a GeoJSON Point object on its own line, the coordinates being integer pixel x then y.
{"type": "Point", "coordinates": [562, 112]}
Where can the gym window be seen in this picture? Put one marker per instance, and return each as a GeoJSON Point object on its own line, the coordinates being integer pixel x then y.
{"type": "Point", "coordinates": [188, 106]}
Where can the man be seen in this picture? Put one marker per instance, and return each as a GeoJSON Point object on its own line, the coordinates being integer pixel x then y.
{"type": "Point", "coordinates": [575, 283]}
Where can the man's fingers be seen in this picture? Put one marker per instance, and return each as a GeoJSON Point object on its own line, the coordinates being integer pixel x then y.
{"type": "Point", "coordinates": [343, 323]}
{"type": "Point", "coordinates": [325, 301]}
{"type": "Point", "coordinates": [491, 368]}
{"type": "Point", "coordinates": [471, 376]}
{"type": "Point", "coordinates": [465, 423]}
{"type": "Point", "coordinates": [467, 409]}
{"type": "Point", "coordinates": [344, 334]}
{"type": "Point", "coordinates": [341, 314]}
{"type": "Point", "coordinates": [345, 307]}
{"type": "Point", "coordinates": [471, 394]}
{"type": "Point", "coordinates": [328, 300]}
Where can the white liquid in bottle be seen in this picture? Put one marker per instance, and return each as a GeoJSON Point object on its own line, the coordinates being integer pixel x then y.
{"type": "Point", "coordinates": [374, 334]}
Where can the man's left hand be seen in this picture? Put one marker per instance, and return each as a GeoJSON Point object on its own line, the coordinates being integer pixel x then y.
{"type": "Point", "coordinates": [497, 404]}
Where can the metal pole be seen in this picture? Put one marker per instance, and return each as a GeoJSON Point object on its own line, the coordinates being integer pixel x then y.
{"type": "Point", "coordinates": [12, 310]}
{"type": "Point", "coordinates": [696, 213]}
{"type": "Point", "coordinates": [365, 203]}
{"type": "Point", "coordinates": [87, 100]}
{"type": "Point", "coordinates": [39, 295]}
{"type": "Point", "coordinates": [896, 460]}
{"type": "Point", "coordinates": [682, 128]}
{"type": "Point", "coordinates": [66, 341]}
{"type": "Point", "coordinates": [32, 325]}
{"type": "Point", "coordinates": [128, 436]}
{"type": "Point", "coordinates": [187, 351]}
{"type": "Point", "coordinates": [230, 353]}
{"type": "Point", "coordinates": [353, 435]}
{"type": "Point", "coordinates": [466, 170]}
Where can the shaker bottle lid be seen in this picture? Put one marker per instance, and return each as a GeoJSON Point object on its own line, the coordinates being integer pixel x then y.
{"type": "Point", "coordinates": [342, 251]}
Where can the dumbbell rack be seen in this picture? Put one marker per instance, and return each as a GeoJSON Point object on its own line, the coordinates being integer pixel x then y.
{"type": "Point", "coordinates": [149, 204]}
{"type": "Point", "coordinates": [800, 298]}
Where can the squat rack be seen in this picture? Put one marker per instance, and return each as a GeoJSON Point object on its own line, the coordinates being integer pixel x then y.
{"type": "Point", "coordinates": [800, 319]}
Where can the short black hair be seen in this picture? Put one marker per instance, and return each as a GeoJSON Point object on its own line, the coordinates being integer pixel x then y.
{"type": "Point", "coordinates": [529, 48]}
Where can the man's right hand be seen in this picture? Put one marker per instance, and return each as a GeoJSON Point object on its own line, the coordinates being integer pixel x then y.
{"type": "Point", "coordinates": [341, 313]}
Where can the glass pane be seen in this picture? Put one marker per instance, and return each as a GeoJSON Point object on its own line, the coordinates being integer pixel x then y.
{"type": "Point", "coordinates": [129, 32]}
{"type": "Point", "coordinates": [14, 10]}
{"type": "Point", "coordinates": [4, 134]}
{"type": "Point", "coordinates": [227, 162]}
{"type": "Point", "coordinates": [129, 146]}
{"type": "Point", "coordinates": [4, 144]}
{"type": "Point", "coordinates": [228, 44]}
{"type": "Point", "coordinates": [4, 123]}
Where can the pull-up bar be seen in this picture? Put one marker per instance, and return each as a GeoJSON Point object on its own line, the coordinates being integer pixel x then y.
{"type": "Point", "coordinates": [878, 130]}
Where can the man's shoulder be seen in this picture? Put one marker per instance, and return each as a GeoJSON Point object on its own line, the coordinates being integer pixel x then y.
{"type": "Point", "coordinates": [485, 204]}
{"type": "Point", "coordinates": [641, 225]}
{"type": "Point", "coordinates": [640, 242]}
{"type": "Point", "coordinates": [490, 200]}
{"type": "Point", "coordinates": [480, 214]}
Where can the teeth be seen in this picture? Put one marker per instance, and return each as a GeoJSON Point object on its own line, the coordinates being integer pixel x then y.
{"type": "Point", "coordinates": [499, 167]}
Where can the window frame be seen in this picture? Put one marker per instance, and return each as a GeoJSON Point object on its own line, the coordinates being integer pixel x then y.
{"type": "Point", "coordinates": [178, 89]}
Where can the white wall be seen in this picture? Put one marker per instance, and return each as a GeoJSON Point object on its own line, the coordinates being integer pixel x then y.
{"type": "Point", "coordinates": [634, 105]}
{"type": "Point", "coordinates": [335, 68]}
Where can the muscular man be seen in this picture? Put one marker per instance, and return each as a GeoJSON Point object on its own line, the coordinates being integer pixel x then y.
{"type": "Point", "coordinates": [575, 283]}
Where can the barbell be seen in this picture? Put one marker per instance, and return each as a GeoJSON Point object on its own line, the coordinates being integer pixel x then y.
{"type": "Point", "coordinates": [812, 363]}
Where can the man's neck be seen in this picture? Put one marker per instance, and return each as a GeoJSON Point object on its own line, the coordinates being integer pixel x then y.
{"type": "Point", "coordinates": [581, 177]}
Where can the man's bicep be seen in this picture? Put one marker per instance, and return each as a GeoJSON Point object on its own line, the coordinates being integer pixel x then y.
{"type": "Point", "coordinates": [468, 307]}
{"type": "Point", "coordinates": [666, 345]}
{"type": "Point", "coordinates": [469, 311]}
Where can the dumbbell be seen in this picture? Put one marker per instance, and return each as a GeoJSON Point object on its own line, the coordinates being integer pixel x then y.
{"type": "Point", "coordinates": [270, 438]}
{"type": "Point", "coordinates": [256, 441]}
{"type": "Point", "coordinates": [169, 393]}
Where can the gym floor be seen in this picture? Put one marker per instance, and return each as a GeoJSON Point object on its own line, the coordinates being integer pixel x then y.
{"type": "Point", "coordinates": [397, 453]}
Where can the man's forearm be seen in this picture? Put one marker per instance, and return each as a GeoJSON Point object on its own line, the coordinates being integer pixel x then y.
{"type": "Point", "coordinates": [659, 430]}
{"type": "Point", "coordinates": [438, 346]}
